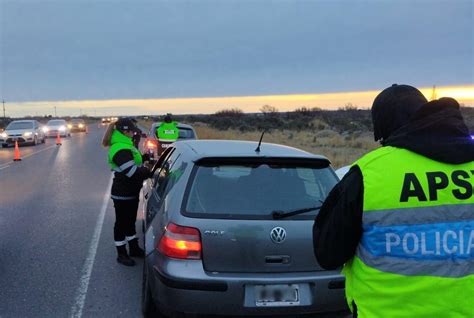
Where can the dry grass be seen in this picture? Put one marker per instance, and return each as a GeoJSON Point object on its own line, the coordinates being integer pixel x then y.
{"type": "Point", "coordinates": [342, 150]}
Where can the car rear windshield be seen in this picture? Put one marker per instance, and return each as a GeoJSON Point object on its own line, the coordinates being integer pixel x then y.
{"type": "Point", "coordinates": [77, 121]}
{"type": "Point", "coordinates": [184, 133]}
{"type": "Point", "coordinates": [20, 125]}
{"type": "Point", "coordinates": [254, 191]}
{"type": "Point", "coordinates": [56, 122]}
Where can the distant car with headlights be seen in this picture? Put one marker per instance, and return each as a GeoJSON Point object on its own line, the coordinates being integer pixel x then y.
{"type": "Point", "coordinates": [231, 224]}
{"type": "Point", "coordinates": [154, 147]}
{"type": "Point", "coordinates": [77, 125]}
{"type": "Point", "coordinates": [55, 126]}
{"type": "Point", "coordinates": [23, 131]}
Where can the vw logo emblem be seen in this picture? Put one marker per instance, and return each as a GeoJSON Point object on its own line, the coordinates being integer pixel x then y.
{"type": "Point", "coordinates": [278, 235]}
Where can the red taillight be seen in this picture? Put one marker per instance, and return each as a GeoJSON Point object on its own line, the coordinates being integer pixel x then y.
{"type": "Point", "coordinates": [150, 144]}
{"type": "Point", "coordinates": [181, 242]}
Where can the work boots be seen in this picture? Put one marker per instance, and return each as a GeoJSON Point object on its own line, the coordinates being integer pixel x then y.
{"type": "Point", "coordinates": [123, 257]}
{"type": "Point", "coordinates": [135, 250]}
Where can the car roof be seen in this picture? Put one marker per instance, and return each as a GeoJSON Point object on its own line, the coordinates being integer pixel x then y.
{"type": "Point", "coordinates": [59, 119]}
{"type": "Point", "coordinates": [180, 125]}
{"type": "Point", "coordinates": [238, 148]}
{"type": "Point", "coordinates": [23, 121]}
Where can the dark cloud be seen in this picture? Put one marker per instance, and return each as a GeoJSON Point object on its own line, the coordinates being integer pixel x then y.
{"type": "Point", "coordinates": [136, 49]}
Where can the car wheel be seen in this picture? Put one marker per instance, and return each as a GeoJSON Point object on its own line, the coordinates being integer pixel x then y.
{"type": "Point", "coordinates": [35, 141]}
{"type": "Point", "coordinates": [4, 146]}
{"type": "Point", "coordinates": [148, 304]}
{"type": "Point", "coordinates": [43, 140]}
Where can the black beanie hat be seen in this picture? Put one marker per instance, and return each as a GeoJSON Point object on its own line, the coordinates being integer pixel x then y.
{"type": "Point", "coordinates": [393, 108]}
{"type": "Point", "coordinates": [125, 124]}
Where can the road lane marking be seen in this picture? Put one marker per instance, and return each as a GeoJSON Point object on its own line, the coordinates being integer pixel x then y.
{"type": "Point", "coordinates": [7, 164]}
{"type": "Point", "coordinates": [36, 152]}
{"type": "Point", "coordinates": [80, 299]}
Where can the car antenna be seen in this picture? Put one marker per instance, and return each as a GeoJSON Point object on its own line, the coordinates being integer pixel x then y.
{"type": "Point", "coordinates": [260, 142]}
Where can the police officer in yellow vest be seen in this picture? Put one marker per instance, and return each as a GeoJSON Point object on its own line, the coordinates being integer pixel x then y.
{"type": "Point", "coordinates": [129, 173]}
{"type": "Point", "coordinates": [168, 130]}
{"type": "Point", "coordinates": [401, 222]}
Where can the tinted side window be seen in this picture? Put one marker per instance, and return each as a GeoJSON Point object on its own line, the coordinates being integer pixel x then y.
{"type": "Point", "coordinates": [163, 176]}
{"type": "Point", "coordinates": [161, 162]}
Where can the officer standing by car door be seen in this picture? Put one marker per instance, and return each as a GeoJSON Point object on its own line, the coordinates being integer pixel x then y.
{"type": "Point", "coordinates": [401, 221]}
{"type": "Point", "coordinates": [129, 175]}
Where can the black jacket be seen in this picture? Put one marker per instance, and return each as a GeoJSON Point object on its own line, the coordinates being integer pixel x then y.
{"type": "Point", "coordinates": [437, 131]}
{"type": "Point", "coordinates": [128, 183]}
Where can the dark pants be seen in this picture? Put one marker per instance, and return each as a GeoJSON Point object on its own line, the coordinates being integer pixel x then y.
{"type": "Point", "coordinates": [125, 217]}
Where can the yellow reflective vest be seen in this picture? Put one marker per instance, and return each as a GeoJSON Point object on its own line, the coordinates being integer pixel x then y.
{"type": "Point", "coordinates": [416, 254]}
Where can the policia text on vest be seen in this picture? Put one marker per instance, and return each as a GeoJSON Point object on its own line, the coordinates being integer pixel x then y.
{"type": "Point", "coordinates": [437, 240]}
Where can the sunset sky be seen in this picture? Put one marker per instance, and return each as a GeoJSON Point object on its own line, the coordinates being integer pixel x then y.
{"type": "Point", "coordinates": [152, 57]}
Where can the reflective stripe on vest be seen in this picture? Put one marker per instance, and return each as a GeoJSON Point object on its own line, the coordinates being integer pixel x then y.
{"type": "Point", "coordinates": [121, 142]}
{"type": "Point", "coordinates": [416, 254]}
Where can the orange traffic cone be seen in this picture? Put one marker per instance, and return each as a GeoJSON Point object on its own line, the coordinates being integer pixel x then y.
{"type": "Point", "coordinates": [58, 140]}
{"type": "Point", "coordinates": [17, 152]}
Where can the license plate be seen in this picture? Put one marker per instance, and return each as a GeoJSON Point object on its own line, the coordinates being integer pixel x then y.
{"type": "Point", "coordinates": [277, 295]}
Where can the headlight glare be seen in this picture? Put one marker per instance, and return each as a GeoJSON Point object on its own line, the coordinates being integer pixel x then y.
{"type": "Point", "coordinates": [3, 135]}
{"type": "Point", "coordinates": [27, 134]}
{"type": "Point", "coordinates": [62, 128]}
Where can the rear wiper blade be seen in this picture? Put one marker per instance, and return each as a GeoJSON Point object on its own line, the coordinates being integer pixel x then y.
{"type": "Point", "coordinates": [283, 214]}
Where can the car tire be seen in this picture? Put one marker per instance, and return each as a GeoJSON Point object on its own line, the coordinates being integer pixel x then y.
{"type": "Point", "coordinates": [149, 308]}
{"type": "Point", "coordinates": [43, 140]}
{"type": "Point", "coordinates": [35, 141]}
{"type": "Point", "coordinates": [4, 145]}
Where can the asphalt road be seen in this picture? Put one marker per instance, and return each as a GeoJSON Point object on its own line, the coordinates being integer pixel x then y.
{"type": "Point", "coordinates": [57, 257]}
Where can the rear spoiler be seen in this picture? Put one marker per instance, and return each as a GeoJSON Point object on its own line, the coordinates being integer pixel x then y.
{"type": "Point", "coordinates": [256, 161]}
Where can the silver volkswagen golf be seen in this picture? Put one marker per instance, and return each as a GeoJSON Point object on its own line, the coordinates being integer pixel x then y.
{"type": "Point", "coordinates": [228, 231]}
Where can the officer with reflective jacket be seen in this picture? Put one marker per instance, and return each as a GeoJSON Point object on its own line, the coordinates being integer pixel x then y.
{"type": "Point", "coordinates": [127, 162]}
{"type": "Point", "coordinates": [168, 130]}
{"type": "Point", "coordinates": [402, 220]}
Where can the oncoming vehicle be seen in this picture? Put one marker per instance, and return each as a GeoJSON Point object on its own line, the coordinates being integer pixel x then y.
{"type": "Point", "coordinates": [108, 120]}
{"type": "Point", "coordinates": [55, 126]}
{"type": "Point", "coordinates": [77, 125]}
{"type": "Point", "coordinates": [154, 147]}
{"type": "Point", "coordinates": [230, 225]}
{"type": "Point", "coordinates": [23, 131]}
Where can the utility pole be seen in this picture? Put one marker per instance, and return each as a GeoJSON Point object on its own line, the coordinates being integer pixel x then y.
{"type": "Point", "coordinates": [3, 102]}
{"type": "Point", "coordinates": [433, 93]}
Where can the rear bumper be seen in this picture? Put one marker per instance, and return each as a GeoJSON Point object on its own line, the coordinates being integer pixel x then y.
{"type": "Point", "coordinates": [186, 287]}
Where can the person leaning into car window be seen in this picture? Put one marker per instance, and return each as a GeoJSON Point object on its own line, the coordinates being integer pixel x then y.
{"type": "Point", "coordinates": [126, 161]}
